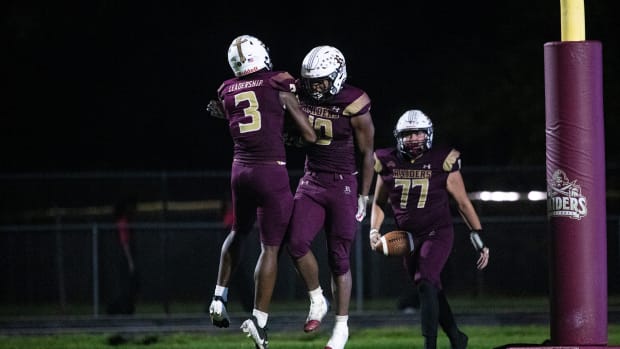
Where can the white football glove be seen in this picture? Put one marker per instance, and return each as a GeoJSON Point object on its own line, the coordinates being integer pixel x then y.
{"type": "Point", "coordinates": [362, 202]}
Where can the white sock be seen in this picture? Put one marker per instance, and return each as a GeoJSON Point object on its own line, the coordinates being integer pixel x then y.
{"type": "Point", "coordinates": [341, 322]}
{"type": "Point", "coordinates": [261, 317]}
{"type": "Point", "coordinates": [340, 335]}
{"type": "Point", "coordinates": [316, 294]}
{"type": "Point", "coordinates": [222, 292]}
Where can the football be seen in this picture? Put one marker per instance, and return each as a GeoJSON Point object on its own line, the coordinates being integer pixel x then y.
{"type": "Point", "coordinates": [395, 243]}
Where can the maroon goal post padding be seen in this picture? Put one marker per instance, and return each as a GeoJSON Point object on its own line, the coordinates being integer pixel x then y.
{"type": "Point", "coordinates": [575, 174]}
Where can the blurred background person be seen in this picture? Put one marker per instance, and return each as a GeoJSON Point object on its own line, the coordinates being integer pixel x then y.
{"type": "Point", "coordinates": [128, 274]}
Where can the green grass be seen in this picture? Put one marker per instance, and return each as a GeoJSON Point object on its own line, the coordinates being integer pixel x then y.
{"type": "Point", "coordinates": [388, 338]}
{"type": "Point", "coordinates": [459, 303]}
{"type": "Point", "coordinates": [395, 337]}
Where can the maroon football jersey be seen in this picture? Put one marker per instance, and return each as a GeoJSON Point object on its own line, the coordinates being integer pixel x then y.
{"type": "Point", "coordinates": [418, 194]}
{"type": "Point", "coordinates": [256, 128]}
{"type": "Point", "coordinates": [335, 149]}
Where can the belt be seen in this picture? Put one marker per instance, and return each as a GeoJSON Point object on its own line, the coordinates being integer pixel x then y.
{"type": "Point", "coordinates": [334, 174]}
{"type": "Point", "coordinates": [260, 162]}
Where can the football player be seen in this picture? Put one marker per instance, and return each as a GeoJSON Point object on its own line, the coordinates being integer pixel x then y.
{"type": "Point", "coordinates": [330, 196]}
{"type": "Point", "coordinates": [255, 102]}
{"type": "Point", "coordinates": [418, 180]}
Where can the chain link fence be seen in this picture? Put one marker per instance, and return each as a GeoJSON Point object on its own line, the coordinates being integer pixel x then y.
{"type": "Point", "coordinates": [58, 242]}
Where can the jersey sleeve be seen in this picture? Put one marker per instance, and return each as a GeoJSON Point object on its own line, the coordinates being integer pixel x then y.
{"type": "Point", "coordinates": [283, 81]}
{"type": "Point", "coordinates": [382, 157]}
{"type": "Point", "coordinates": [452, 161]}
{"type": "Point", "coordinates": [378, 165]}
{"type": "Point", "coordinates": [359, 106]}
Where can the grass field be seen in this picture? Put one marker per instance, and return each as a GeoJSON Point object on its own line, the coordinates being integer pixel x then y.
{"type": "Point", "coordinates": [460, 304]}
{"type": "Point", "coordinates": [399, 336]}
{"type": "Point", "coordinates": [382, 338]}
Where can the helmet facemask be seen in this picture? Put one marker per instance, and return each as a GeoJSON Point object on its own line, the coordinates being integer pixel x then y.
{"type": "Point", "coordinates": [413, 121]}
{"type": "Point", "coordinates": [323, 72]}
{"type": "Point", "coordinates": [413, 148]}
{"type": "Point", "coordinates": [319, 88]}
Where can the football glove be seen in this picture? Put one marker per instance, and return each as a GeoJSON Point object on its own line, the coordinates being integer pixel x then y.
{"type": "Point", "coordinates": [216, 109]}
{"type": "Point", "coordinates": [476, 241]}
{"type": "Point", "coordinates": [291, 139]}
{"type": "Point", "coordinates": [362, 202]}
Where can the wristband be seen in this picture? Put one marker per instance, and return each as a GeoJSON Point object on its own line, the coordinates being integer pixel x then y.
{"type": "Point", "coordinates": [475, 239]}
{"type": "Point", "coordinates": [373, 230]}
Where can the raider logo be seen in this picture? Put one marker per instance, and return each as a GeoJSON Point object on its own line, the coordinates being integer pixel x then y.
{"type": "Point", "coordinates": [564, 198]}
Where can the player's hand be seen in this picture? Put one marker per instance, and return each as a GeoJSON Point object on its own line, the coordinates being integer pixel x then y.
{"type": "Point", "coordinates": [293, 140]}
{"type": "Point", "coordinates": [483, 260]}
{"type": "Point", "coordinates": [476, 241]}
{"type": "Point", "coordinates": [374, 237]}
{"type": "Point", "coordinates": [216, 109]}
{"type": "Point", "coordinates": [362, 202]}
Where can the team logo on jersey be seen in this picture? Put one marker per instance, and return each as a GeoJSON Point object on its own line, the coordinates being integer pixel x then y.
{"type": "Point", "coordinates": [347, 190]}
{"type": "Point", "coordinates": [564, 198]}
{"type": "Point", "coordinates": [426, 167]}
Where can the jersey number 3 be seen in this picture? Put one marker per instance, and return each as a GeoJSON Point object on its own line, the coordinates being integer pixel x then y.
{"type": "Point", "coordinates": [251, 111]}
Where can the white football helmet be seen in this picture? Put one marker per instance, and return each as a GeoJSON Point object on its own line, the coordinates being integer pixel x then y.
{"type": "Point", "coordinates": [323, 63]}
{"type": "Point", "coordinates": [247, 55]}
{"type": "Point", "coordinates": [411, 121]}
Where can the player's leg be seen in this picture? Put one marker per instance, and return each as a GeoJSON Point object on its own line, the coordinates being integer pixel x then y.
{"type": "Point", "coordinates": [308, 269]}
{"type": "Point", "coordinates": [342, 282]}
{"type": "Point", "coordinates": [229, 260]}
{"type": "Point", "coordinates": [429, 313]}
{"type": "Point", "coordinates": [341, 288]}
{"type": "Point", "coordinates": [276, 207]}
{"type": "Point", "coordinates": [431, 258]}
{"type": "Point", "coordinates": [306, 222]}
{"type": "Point", "coordinates": [265, 275]}
{"type": "Point", "coordinates": [245, 216]}
{"type": "Point", "coordinates": [458, 339]}
{"type": "Point", "coordinates": [340, 234]}
{"type": "Point", "coordinates": [272, 190]}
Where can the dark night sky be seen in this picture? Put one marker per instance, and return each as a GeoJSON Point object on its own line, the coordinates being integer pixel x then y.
{"type": "Point", "coordinates": [120, 85]}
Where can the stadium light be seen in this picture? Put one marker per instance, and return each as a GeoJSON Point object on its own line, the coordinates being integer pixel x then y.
{"type": "Point", "coordinates": [500, 196]}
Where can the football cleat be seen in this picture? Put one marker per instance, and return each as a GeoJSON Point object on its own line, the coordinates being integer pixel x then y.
{"type": "Point", "coordinates": [218, 313]}
{"type": "Point", "coordinates": [316, 314]}
{"type": "Point", "coordinates": [258, 334]}
{"type": "Point", "coordinates": [460, 342]}
{"type": "Point", "coordinates": [338, 339]}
